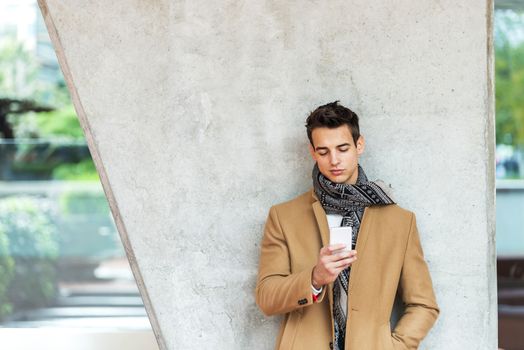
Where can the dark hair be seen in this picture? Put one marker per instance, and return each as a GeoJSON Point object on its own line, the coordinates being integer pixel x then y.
{"type": "Point", "coordinates": [332, 115]}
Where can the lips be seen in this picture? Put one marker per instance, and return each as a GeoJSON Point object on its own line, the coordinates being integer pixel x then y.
{"type": "Point", "coordinates": [336, 172]}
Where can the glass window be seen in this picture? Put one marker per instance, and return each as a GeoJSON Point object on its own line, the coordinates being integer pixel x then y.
{"type": "Point", "coordinates": [62, 264]}
{"type": "Point", "coordinates": [509, 92]}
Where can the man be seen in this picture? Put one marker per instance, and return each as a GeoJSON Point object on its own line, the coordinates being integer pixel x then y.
{"type": "Point", "coordinates": [298, 267]}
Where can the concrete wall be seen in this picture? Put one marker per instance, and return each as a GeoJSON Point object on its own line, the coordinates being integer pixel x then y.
{"type": "Point", "coordinates": [194, 114]}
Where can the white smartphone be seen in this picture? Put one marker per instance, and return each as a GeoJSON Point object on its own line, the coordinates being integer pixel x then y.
{"type": "Point", "coordinates": [344, 235]}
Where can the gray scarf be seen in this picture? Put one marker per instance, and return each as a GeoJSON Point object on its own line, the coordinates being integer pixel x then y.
{"type": "Point", "coordinates": [349, 201]}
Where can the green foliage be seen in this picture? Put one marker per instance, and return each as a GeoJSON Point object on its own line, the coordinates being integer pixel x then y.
{"type": "Point", "coordinates": [33, 246]}
{"type": "Point", "coordinates": [509, 78]}
{"type": "Point", "coordinates": [83, 202]}
{"type": "Point", "coordinates": [61, 123]}
{"type": "Point", "coordinates": [47, 158]}
{"type": "Point", "coordinates": [16, 66]}
{"type": "Point", "coordinates": [7, 267]}
{"type": "Point", "coordinates": [30, 230]}
{"type": "Point", "coordinates": [23, 76]}
{"type": "Point", "coordinates": [86, 227]}
{"type": "Point", "coordinates": [82, 171]}
{"type": "Point", "coordinates": [20, 75]}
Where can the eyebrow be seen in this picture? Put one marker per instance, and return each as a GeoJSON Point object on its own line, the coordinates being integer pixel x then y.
{"type": "Point", "coordinates": [323, 148]}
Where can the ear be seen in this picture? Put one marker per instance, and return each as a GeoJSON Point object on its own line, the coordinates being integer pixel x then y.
{"type": "Point", "coordinates": [361, 145]}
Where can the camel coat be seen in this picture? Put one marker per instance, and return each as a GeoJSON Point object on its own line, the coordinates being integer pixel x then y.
{"type": "Point", "coordinates": [389, 257]}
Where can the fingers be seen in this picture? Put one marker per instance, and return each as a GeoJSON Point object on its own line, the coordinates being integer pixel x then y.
{"type": "Point", "coordinates": [332, 270]}
{"type": "Point", "coordinates": [343, 263]}
{"type": "Point", "coordinates": [335, 247]}
{"type": "Point", "coordinates": [325, 250]}
{"type": "Point", "coordinates": [335, 253]}
{"type": "Point", "coordinates": [339, 263]}
{"type": "Point", "coordinates": [331, 262]}
{"type": "Point", "coordinates": [329, 249]}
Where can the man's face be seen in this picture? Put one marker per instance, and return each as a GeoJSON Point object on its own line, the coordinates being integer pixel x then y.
{"type": "Point", "coordinates": [336, 153]}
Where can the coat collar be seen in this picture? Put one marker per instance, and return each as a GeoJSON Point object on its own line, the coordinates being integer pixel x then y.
{"type": "Point", "coordinates": [320, 216]}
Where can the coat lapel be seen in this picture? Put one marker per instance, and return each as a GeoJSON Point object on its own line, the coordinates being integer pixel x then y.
{"type": "Point", "coordinates": [323, 227]}
{"type": "Point", "coordinates": [320, 216]}
{"type": "Point", "coordinates": [362, 239]}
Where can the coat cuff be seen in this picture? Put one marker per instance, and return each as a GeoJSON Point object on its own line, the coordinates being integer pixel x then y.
{"type": "Point", "coordinates": [320, 292]}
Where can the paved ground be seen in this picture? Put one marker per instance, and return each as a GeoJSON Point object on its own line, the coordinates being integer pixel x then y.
{"type": "Point", "coordinates": [75, 339]}
{"type": "Point", "coordinates": [100, 315]}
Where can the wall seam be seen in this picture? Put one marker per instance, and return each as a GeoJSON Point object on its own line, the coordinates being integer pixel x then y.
{"type": "Point", "coordinates": [489, 140]}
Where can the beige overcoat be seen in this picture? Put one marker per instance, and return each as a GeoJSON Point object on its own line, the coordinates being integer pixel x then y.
{"type": "Point", "coordinates": [389, 257]}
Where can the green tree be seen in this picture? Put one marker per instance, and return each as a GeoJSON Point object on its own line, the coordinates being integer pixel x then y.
{"type": "Point", "coordinates": [509, 77]}
{"type": "Point", "coordinates": [32, 244]}
{"type": "Point", "coordinates": [7, 267]}
{"type": "Point", "coordinates": [18, 69]}
{"type": "Point", "coordinates": [61, 123]}
{"type": "Point", "coordinates": [20, 77]}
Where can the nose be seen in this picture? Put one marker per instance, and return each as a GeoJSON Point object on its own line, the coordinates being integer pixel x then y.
{"type": "Point", "coordinates": [334, 158]}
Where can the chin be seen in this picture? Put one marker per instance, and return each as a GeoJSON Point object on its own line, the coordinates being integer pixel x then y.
{"type": "Point", "coordinates": [338, 179]}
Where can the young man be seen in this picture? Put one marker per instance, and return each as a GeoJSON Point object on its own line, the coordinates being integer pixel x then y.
{"type": "Point", "coordinates": [343, 300]}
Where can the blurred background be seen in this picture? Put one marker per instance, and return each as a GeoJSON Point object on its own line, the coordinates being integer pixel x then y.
{"type": "Point", "coordinates": [63, 271]}
{"type": "Point", "coordinates": [62, 264]}
{"type": "Point", "coordinates": [509, 92]}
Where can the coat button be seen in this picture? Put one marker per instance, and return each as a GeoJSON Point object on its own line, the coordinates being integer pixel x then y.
{"type": "Point", "coordinates": [331, 345]}
{"type": "Point", "coordinates": [302, 301]}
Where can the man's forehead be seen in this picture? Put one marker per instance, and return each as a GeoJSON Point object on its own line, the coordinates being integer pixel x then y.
{"type": "Point", "coordinates": [332, 137]}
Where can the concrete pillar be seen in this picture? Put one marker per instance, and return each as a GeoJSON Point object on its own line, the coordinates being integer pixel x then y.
{"type": "Point", "coordinates": [194, 114]}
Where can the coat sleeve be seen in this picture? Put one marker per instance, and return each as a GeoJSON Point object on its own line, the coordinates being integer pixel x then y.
{"type": "Point", "coordinates": [416, 288]}
{"type": "Point", "coordinates": [278, 290]}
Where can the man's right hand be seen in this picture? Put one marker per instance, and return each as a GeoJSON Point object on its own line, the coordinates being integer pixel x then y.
{"type": "Point", "coordinates": [329, 265]}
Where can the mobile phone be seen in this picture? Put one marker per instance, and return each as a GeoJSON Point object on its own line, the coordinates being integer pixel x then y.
{"type": "Point", "coordinates": [344, 235]}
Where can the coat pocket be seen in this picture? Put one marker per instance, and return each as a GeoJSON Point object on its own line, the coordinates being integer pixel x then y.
{"type": "Point", "coordinates": [397, 344]}
{"type": "Point", "coordinates": [386, 338]}
{"type": "Point", "coordinates": [388, 341]}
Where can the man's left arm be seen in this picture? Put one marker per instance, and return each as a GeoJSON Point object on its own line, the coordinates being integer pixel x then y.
{"type": "Point", "coordinates": [421, 309]}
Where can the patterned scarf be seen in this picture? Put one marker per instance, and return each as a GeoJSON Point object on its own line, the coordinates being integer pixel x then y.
{"type": "Point", "coordinates": [350, 202]}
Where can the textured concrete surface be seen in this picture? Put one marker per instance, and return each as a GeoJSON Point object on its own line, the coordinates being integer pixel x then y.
{"type": "Point", "coordinates": [194, 114]}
